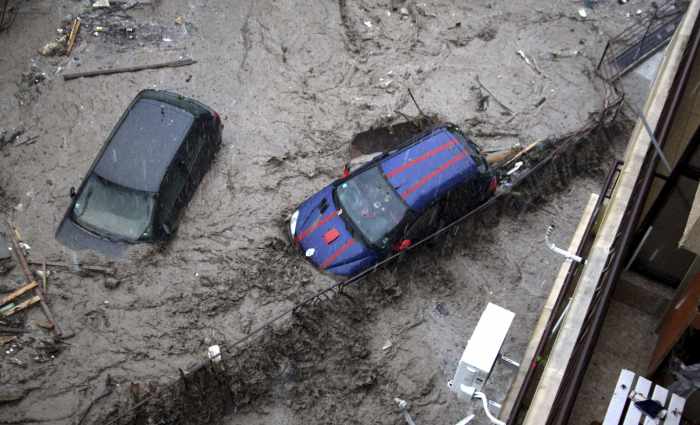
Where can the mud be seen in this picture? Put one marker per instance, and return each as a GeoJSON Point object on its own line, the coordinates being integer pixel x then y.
{"type": "Point", "coordinates": [293, 82]}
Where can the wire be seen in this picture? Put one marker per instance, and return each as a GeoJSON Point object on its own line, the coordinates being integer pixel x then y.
{"type": "Point", "coordinates": [466, 420]}
{"type": "Point", "coordinates": [485, 402]}
{"type": "Point", "coordinates": [650, 132]}
{"type": "Point", "coordinates": [558, 250]}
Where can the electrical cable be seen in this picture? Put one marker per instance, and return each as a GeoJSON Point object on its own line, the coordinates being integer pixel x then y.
{"type": "Point", "coordinates": [494, 420]}
{"type": "Point", "coordinates": [558, 250]}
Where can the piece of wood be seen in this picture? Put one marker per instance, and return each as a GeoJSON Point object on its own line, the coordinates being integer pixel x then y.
{"type": "Point", "coordinates": [173, 64]}
{"type": "Point", "coordinates": [12, 330]}
{"type": "Point", "coordinates": [502, 156]}
{"type": "Point", "coordinates": [619, 398]}
{"type": "Point", "coordinates": [90, 268]}
{"type": "Point", "coordinates": [22, 260]}
{"type": "Point", "coordinates": [523, 152]}
{"type": "Point", "coordinates": [537, 334]}
{"type": "Point", "coordinates": [73, 34]}
{"type": "Point", "coordinates": [7, 339]}
{"type": "Point", "coordinates": [23, 305]}
{"type": "Point", "coordinates": [17, 292]}
{"type": "Point", "coordinates": [660, 395]}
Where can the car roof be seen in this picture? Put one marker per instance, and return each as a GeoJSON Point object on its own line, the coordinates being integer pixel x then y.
{"type": "Point", "coordinates": [140, 150]}
{"type": "Point", "coordinates": [425, 170]}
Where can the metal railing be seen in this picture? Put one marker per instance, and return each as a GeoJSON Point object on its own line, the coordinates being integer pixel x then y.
{"type": "Point", "coordinates": [640, 40]}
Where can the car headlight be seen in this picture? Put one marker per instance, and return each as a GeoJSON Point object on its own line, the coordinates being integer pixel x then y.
{"type": "Point", "coordinates": [293, 222]}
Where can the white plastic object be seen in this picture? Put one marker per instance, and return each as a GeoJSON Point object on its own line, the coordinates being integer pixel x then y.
{"type": "Point", "coordinates": [214, 353]}
{"type": "Point", "coordinates": [482, 351]}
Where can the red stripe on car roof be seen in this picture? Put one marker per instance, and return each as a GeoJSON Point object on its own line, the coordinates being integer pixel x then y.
{"type": "Point", "coordinates": [315, 226]}
{"type": "Point", "coordinates": [431, 153]}
{"type": "Point", "coordinates": [441, 169]}
{"type": "Point", "coordinates": [328, 261]}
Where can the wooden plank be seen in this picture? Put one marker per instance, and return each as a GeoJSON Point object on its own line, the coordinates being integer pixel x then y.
{"type": "Point", "coordinates": [660, 395]}
{"type": "Point", "coordinates": [21, 306]}
{"type": "Point", "coordinates": [110, 71]}
{"type": "Point", "coordinates": [527, 361]}
{"type": "Point", "coordinates": [675, 410]}
{"type": "Point", "coordinates": [619, 398]}
{"type": "Point", "coordinates": [596, 260]}
{"type": "Point", "coordinates": [16, 293]}
{"type": "Point", "coordinates": [634, 415]}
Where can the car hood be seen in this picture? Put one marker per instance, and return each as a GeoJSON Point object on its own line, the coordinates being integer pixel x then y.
{"type": "Point", "coordinates": [325, 238]}
{"type": "Point", "coordinates": [73, 236]}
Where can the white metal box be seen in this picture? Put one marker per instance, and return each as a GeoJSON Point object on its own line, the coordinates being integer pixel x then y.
{"type": "Point", "coordinates": [482, 351]}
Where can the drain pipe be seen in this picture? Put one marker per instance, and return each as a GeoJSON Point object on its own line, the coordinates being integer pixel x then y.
{"type": "Point", "coordinates": [558, 250]}
{"type": "Point", "coordinates": [403, 407]}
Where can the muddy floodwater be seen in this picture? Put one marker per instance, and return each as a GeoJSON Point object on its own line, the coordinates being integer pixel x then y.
{"type": "Point", "coordinates": [293, 82]}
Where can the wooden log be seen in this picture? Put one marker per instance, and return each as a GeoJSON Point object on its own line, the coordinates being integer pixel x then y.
{"type": "Point", "coordinates": [87, 267]}
{"type": "Point", "coordinates": [73, 34]}
{"type": "Point", "coordinates": [173, 64]}
{"type": "Point", "coordinates": [11, 330]}
{"type": "Point", "coordinates": [17, 292]}
{"type": "Point", "coordinates": [21, 306]}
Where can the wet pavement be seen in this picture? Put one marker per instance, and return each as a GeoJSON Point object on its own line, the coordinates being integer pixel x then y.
{"type": "Point", "coordinates": [293, 82]}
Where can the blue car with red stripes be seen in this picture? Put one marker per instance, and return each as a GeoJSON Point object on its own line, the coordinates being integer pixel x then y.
{"type": "Point", "coordinates": [393, 201]}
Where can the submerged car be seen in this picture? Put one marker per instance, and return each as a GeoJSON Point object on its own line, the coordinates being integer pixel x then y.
{"type": "Point", "coordinates": [393, 201]}
{"type": "Point", "coordinates": [144, 175]}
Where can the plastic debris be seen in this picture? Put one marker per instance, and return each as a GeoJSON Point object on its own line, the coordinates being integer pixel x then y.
{"type": "Point", "coordinates": [179, 20]}
{"type": "Point", "coordinates": [582, 13]}
{"type": "Point", "coordinates": [214, 353]}
{"type": "Point", "coordinates": [100, 4]}
{"type": "Point", "coordinates": [387, 345]}
{"type": "Point", "coordinates": [52, 48]}
{"type": "Point", "coordinates": [368, 24]}
{"type": "Point", "coordinates": [515, 168]}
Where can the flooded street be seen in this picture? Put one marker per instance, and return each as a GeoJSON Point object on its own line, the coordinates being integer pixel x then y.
{"type": "Point", "coordinates": [293, 82]}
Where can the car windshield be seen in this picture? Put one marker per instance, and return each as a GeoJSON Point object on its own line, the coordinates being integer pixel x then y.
{"type": "Point", "coordinates": [372, 205]}
{"type": "Point", "coordinates": [115, 210]}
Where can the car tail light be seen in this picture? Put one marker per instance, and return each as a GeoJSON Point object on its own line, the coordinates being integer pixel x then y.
{"type": "Point", "coordinates": [402, 245]}
{"type": "Point", "coordinates": [493, 184]}
{"type": "Point", "coordinates": [217, 118]}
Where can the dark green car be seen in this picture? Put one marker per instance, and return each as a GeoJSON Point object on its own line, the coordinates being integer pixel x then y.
{"type": "Point", "coordinates": [144, 175]}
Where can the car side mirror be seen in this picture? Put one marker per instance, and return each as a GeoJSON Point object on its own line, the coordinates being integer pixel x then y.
{"type": "Point", "coordinates": [72, 192]}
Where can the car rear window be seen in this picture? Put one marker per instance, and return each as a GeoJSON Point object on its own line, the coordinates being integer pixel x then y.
{"type": "Point", "coordinates": [144, 145]}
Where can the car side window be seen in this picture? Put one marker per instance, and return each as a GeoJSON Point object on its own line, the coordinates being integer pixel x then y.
{"type": "Point", "coordinates": [171, 193]}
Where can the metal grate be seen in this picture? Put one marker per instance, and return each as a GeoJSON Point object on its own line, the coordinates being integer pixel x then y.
{"type": "Point", "coordinates": [639, 41]}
